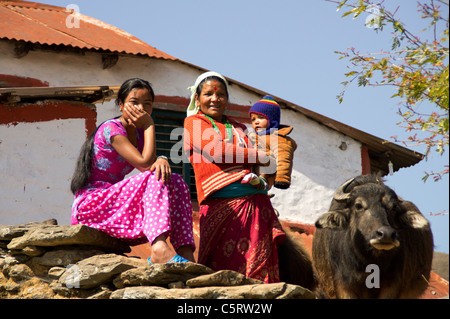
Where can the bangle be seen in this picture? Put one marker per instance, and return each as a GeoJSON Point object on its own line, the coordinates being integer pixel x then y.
{"type": "Point", "coordinates": [163, 157]}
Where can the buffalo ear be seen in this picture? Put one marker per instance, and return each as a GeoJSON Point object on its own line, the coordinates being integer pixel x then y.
{"type": "Point", "coordinates": [411, 217]}
{"type": "Point", "coordinates": [335, 219]}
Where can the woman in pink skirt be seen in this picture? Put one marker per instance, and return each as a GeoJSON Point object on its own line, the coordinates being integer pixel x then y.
{"type": "Point", "coordinates": [149, 206]}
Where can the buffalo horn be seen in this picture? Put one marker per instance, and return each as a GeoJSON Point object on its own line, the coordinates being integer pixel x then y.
{"type": "Point", "coordinates": [340, 194]}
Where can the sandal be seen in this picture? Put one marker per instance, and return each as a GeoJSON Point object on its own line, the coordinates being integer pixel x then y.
{"type": "Point", "coordinates": [176, 259]}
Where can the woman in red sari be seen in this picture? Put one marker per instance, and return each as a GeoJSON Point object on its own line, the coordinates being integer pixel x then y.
{"type": "Point", "coordinates": [238, 227]}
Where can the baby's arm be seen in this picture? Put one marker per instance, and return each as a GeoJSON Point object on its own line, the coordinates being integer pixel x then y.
{"type": "Point", "coordinates": [254, 180]}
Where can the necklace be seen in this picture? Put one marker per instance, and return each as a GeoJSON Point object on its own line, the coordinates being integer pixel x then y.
{"type": "Point", "coordinates": [229, 128]}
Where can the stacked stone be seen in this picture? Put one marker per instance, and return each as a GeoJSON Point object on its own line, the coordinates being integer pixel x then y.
{"type": "Point", "coordinates": [45, 260]}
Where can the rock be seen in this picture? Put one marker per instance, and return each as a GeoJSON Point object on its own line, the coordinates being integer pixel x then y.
{"type": "Point", "coordinates": [265, 291]}
{"type": "Point", "coordinates": [31, 251]}
{"type": "Point", "coordinates": [140, 293]}
{"type": "Point", "coordinates": [9, 262]}
{"type": "Point", "coordinates": [65, 257]}
{"type": "Point", "coordinates": [56, 272]}
{"type": "Point", "coordinates": [10, 232]}
{"type": "Point", "coordinates": [104, 293]}
{"type": "Point", "coordinates": [296, 292]}
{"type": "Point", "coordinates": [44, 260]}
{"type": "Point", "coordinates": [62, 291]}
{"type": "Point", "coordinates": [101, 295]}
{"type": "Point", "coordinates": [160, 274]}
{"type": "Point", "coordinates": [20, 272]}
{"type": "Point", "coordinates": [36, 288]}
{"type": "Point", "coordinates": [96, 270]}
{"type": "Point", "coordinates": [51, 236]}
{"type": "Point", "coordinates": [222, 278]}
{"type": "Point", "coordinates": [8, 288]}
{"type": "Point", "coordinates": [177, 284]}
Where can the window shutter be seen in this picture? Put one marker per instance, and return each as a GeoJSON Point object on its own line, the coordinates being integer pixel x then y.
{"type": "Point", "coordinates": [169, 128]}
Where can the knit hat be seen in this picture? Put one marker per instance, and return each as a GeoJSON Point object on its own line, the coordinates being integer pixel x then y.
{"type": "Point", "coordinates": [270, 109]}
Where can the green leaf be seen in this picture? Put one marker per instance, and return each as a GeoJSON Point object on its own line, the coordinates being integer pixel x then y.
{"type": "Point", "coordinates": [396, 43]}
{"type": "Point", "coordinates": [351, 73]}
{"type": "Point", "coordinates": [362, 81]}
{"type": "Point", "coordinates": [347, 13]}
{"type": "Point", "coordinates": [360, 10]}
{"type": "Point", "coordinates": [341, 5]}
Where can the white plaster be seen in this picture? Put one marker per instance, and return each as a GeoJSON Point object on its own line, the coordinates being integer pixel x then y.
{"type": "Point", "coordinates": [37, 159]}
{"type": "Point", "coordinates": [319, 168]}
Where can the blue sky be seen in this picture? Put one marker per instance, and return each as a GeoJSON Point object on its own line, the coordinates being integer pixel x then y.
{"type": "Point", "coordinates": [286, 48]}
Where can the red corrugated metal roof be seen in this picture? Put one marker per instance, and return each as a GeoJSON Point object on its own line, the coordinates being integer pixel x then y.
{"type": "Point", "coordinates": [45, 24]}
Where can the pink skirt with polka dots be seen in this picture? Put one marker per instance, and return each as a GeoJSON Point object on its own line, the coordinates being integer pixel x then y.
{"type": "Point", "coordinates": [139, 209]}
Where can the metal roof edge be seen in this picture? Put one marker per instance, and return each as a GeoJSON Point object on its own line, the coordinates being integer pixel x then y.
{"type": "Point", "coordinates": [140, 47]}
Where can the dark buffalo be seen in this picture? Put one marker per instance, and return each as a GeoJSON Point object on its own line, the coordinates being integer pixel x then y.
{"type": "Point", "coordinates": [372, 244]}
{"type": "Point", "coordinates": [295, 263]}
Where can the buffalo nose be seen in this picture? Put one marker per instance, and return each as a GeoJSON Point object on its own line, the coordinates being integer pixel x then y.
{"type": "Point", "coordinates": [386, 234]}
{"type": "Point", "coordinates": [385, 238]}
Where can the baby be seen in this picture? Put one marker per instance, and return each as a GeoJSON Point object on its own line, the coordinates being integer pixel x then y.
{"type": "Point", "coordinates": [269, 135]}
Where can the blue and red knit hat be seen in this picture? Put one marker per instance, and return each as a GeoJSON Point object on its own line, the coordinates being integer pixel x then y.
{"type": "Point", "coordinates": [270, 109]}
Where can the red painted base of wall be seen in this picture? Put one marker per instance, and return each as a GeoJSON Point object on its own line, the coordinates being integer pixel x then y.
{"type": "Point", "coordinates": [14, 81]}
{"type": "Point", "coordinates": [48, 111]}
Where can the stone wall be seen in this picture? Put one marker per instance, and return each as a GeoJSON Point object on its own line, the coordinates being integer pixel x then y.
{"type": "Point", "coordinates": [47, 261]}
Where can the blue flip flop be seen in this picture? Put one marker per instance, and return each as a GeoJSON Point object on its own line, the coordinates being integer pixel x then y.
{"type": "Point", "coordinates": [176, 259]}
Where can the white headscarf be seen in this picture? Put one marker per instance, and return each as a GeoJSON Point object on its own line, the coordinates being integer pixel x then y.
{"type": "Point", "coordinates": [193, 108]}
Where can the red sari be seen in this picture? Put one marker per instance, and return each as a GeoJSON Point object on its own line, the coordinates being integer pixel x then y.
{"type": "Point", "coordinates": [241, 234]}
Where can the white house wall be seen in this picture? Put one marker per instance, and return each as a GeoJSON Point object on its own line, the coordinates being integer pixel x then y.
{"type": "Point", "coordinates": [320, 166]}
{"type": "Point", "coordinates": [36, 163]}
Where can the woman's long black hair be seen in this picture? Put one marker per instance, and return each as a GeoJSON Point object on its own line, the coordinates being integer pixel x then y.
{"type": "Point", "coordinates": [82, 172]}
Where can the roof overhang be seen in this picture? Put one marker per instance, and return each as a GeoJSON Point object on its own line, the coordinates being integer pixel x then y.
{"type": "Point", "coordinates": [88, 94]}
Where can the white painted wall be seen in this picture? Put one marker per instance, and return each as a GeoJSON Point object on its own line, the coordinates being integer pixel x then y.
{"type": "Point", "coordinates": [319, 168]}
{"type": "Point", "coordinates": [68, 69]}
{"type": "Point", "coordinates": [42, 155]}
{"type": "Point", "coordinates": [36, 164]}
